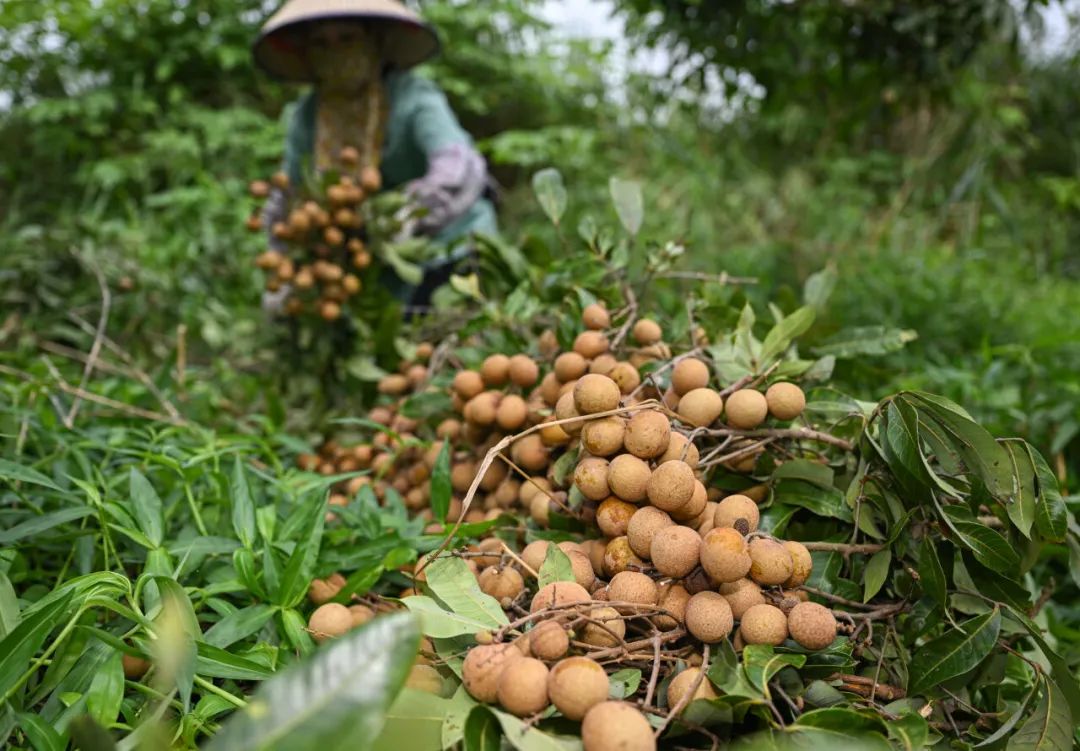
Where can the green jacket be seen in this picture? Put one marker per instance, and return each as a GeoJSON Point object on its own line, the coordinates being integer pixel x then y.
{"type": "Point", "coordinates": [420, 123]}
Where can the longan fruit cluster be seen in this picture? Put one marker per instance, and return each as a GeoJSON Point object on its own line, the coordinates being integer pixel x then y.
{"type": "Point", "coordinates": [323, 236]}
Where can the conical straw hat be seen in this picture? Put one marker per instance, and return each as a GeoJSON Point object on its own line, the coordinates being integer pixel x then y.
{"type": "Point", "coordinates": [407, 39]}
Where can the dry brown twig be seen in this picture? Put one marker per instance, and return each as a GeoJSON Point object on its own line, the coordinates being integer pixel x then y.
{"type": "Point", "coordinates": [95, 347]}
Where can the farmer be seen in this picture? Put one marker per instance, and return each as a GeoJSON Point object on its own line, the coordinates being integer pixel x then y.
{"type": "Point", "coordinates": [358, 55]}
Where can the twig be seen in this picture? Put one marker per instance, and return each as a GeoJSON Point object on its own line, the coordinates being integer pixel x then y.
{"type": "Point", "coordinates": [631, 316]}
{"type": "Point", "coordinates": [868, 687]}
{"type": "Point", "coordinates": [685, 698]}
{"type": "Point", "coordinates": [737, 454]}
{"type": "Point", "coordinates": [666, 366]}
{"type": "Point", "coordinates": [95, 348]}
{"type": "Point", "coordinates": [838, 599]}
{"type": "Point", "coordinates": [516, 557]}
{"type": "Point", "coordinates": [655, 671]}
{"type": "Point", "coordinates": [700, 276]}
{"type": "Point", "coordinates": [797, 433]}
{"type": "Point", "coordinates": [106, 401]}
{"type": "Point", "coordinates": [846, 548]}
{"type": "Point", "coordinates": [181, 355]}
{"type": "Point", "coordinates": [749, 380]}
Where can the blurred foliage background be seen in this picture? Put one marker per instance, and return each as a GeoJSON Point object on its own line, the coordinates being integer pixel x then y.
{"type": "Point", "coordinates": [923, 151]}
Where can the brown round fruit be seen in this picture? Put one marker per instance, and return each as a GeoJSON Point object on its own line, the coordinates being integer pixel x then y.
{"type": "Point", "coordinates": [595, 317]}
{"type": "Point", "coordinates": [484, 666]}
{"type": "Point", "coordinates": [648, 434]}
{"type": "Point", "coordinates": [558, 593]}
{"type": "Point", "coordinates": [582, 568]}
{"type": "Point", "coordinates": [633, 587]}
{"type": "Point", "coordinates": [682, 449]}
{"type": "Point", "coordinates": [626, 377]}
{"type": "Point", "coordinates": [770, 562]}
{"type": "Point", "coordinates": [468, 383]}
{"type": "Point", "coordinates": [628, 478]}
{"type": "Point", "coordinates": [700, 407]}
{"type": "Point", "coordinates": [786, 401]}
{"type": "Point", "coordinates": [616, 726]}
{"type": "Point", "coordinates": [673, 598]}
{"type": "Point", "coordinates": [647, 331]}
{"type": "Point", "coordinates": [511, 413]}
{"type": "Point", "coordinates": [746, 409]}
{"type": "Point", "coordinates": [742, 595]}
{"type": "Point", "coordinates": [575, 685]}
{"type": "Point", "coordinates": [643, 527]}
{"type": "Point", "coordinates": [763, 624]}
{"type": "Point", "coordinates": [328, 621]}
{"type": "Point", "coordinates": [502, 583]}
{"type": "Point", "coordinates": [603, 437]}
{"type": "Point", "coordinates": [802, 564]}
{"type": "Point", "coordinates": [134, 667]}
{"type": "Point", "coordinates": [590, 344]}
{"type": "Point", "coordinates": [739, 513]}
{"type": "Point", "coordinates": [813, 626]}
{"type": "Point", "coordinates": [565, 409]}
{"type": "Point", "coordinates": [360, 614]}
{"type": "Point", "coordinates": [548, 641]}
{"type": "Point", "coordinates": [595, 393]}
{"type": "Point", "coordinates": [523, 371]}
{"type": "Point", "coordinates": [495, 370]}
{"type": "Point", "coordinates": [694, 508]}
{"type": "Point", "coordinates": [680, 686]}
{"type": "Point", "coordinates": [591, 478]}
{"type": "Point", "coordinates": [613, 516]}
{"type": "Point", "coordinates": [522, 687]}
{"type": "Point", "coordinates": [725, 555]}
{"type": "Point", "coordinates": [671, 486]}
{"type": "Point", "coordinates": [675, 550]}
{"type": "Point", "coordinates": [535, 553]}
{"type": "Point", "coordinates": [605, 629]}
{"type": "Point", "coordinates": [689, 374]}
{"type": "Point", "coordinates": [570, 366]}
{"type": "Point", "coordinates": [618, 557]}
{"type": "Point", "coordinates": [708, 617]}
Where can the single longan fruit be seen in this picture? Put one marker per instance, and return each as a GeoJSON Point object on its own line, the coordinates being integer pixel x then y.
{"type": "Point", "coordinates": [739, 513]}
{"type": "Point", "coordinates": [811, 625]}
{"type": "Point", "coordinates": [642, 528]}
{"type": "Point", "coordinates": [582, 568]}
{"type": "Point", "coordinates": [323, 590]}
{"type": "Point", "coordinates": [575, 685]}
{"type": "Point", "coordinates": [626, 377]}
{"type": "Point", "coordinates": [680, 687]}
{"type": "Point", "coordinates": [558, 593]}
{"type": "Point", "coordinates": [329, 621]}
{"type": "Point", "coordinates": [673, 598]}
{"type": "Point", "coordinates": [484, 666]}
{"type": "Point", "coordinates": [540, 510]}
{"type": "Point", "coordinates": [502, 583]}
{"type": "Point", "coordinates": [603, 364]}
{"type": "Point", "coordinates": [786, 401]}
{"type": "Point", "coordinates": [680, 448]}
{"type": "Point", "coordinates": [746, 409]}
{"type": "Point", "coordinates": [259, 189]}
{"type": "Point", "coordinates": [694, 508]}
{"type": "Point", "coordinates": [671, 486]}
{"type": "Point", "coordinates": [789, 598]}
{"type": "Point", "coordinates": [770, 562]}
{"type": "Point", "coordinates": [522, 371]}
{"type": "Point", "coordinates": [594, 551]}
{"type": "Point", "coordinates": [608, 630]}
{"type": "Point", "coordinates": [742, 595]}
{"type": "Point", "coordinates": [481, 409]}
{"type": "Point", "coordinates": [613, 516]}
{"type": "Point", "coordinates": [590, 344]}
{"type": "Point", "coordinates": [467, 384]}
{"type": "Point", "coordinates": [675, 550]}
{"type": "Point", "coordinates": [725, 555]}
{"type": "Point", "coordinates": [566, 409]}
{"type": "Point", "coordinates": [530, 453]}
{"type": "Point", "coordinates": [763, 624]}
{"type": "Point", "coordinates": [616, 726]}
{"type": "Point", "coordinates": [603, 437]}
{"type": "Point", "coordinates": [360, 614]}
{"type": "Point", "coordinates": [554, 435]}
{"type": "Point", "coordinates": [548, 640]}
{"type": "Point", "coordinates": [511, 413]}
{"type": "Point", "coordinates": [595, 393]}
{"type": "Point", "coordinates": [495, 370]}
{"type": "Point", "coordinates": [330, 311]}
{"type": "Point", "coordinates": [550, 389]}
{"type": "Point", "coordinates": [632, 586]}
{"type": "Point", "coordinates": [280, 180]}
{"type": "Point", "coordinates": [708, 617]}
{"type": "Point", "coordinates": [595, 316]}
{"type": "Point", "coordinates": [689, 374]}
{"type": "Point", "coordinates": [618, 557]}
{"type": "Point", "coordinates": [591, 478]}
{"type": "Point", "coordinates": [570, 366]}
{"type": "Point", "coordinates": [647, 331]}
{"type": "Point", "coordinates": [134, 667]}
{"type": "Point", "coordinates": [700, 407]}
{"type": "Point", "coordinates": [461, 475]}
{"type": "Point", "coordinates": [370, 179]}
{"type": "Point", "coordinates": [628, 478]}
{"type": "Point", "coordinates": [535, 553]}
{"type": "Point", "coordinates": [393, 384]}
{"type": "Point", "coordinates": [802, 564]}
{"type": "Point", "coordinates": [522, 687]}
{"type": "Point", "coordinates": [532, 487]}
{"type": "Point", "coordinates": [648, 434]}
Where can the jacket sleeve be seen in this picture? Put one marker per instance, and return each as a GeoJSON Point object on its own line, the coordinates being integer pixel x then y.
{"type": "Point", "coordinates": [456, 173]}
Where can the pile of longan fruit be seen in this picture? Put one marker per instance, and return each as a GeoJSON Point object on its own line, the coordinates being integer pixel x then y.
{"type": "Point", "coordinates": [324, 239]}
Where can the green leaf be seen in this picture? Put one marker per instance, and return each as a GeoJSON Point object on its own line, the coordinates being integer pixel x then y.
{"type": "Point", "coordinates": [178, 630]}
{"type": "Point", "coordinates": [38, 524]}
{"type": "Point", "coordinates": [482, 731]}
{"type": "Point", "coordinates": [301, 566]}
{"type": "Point", "coordinates": [864, 341]}
{"type": "Point", "coordinates": [989, 546]}
{"type": "Point", "coordinates": [239, 625]}
{"type": "Point", "coordinates": [1062, 671]}
{"type": "Point", "coordinates": [954, 653]}
{"type": "Point", "coordinates": [243, 510]}
{"type": "Point", "coordinates": [147, 507]}
{"type": "Point", "coordinates": [877, 571]}
{"type": "Point", "coordinates": [547, 184]}
{"type": "Point", "coordinates": [415, 721]}
{"type": "Point", "coordinates": [1022, 510]}
{"type": "Point", "coordinates": [822, 501]}
{"type": "Point", "coordinates": [1051, 516]}
{"type": "Point", "coordinates": [1006, 727]}
{"type": "Point", "coordinates": [910, 731]}
{"type": "Point", "coordinates": [214, 662]}
{"type": "Point", "coordinates": [761, 663]}
{"type": "Point", "coordinates": [555, 568]}
{"type": "Point", "coordinates": [9, 606]}
{"type": "Point", "coordinates": [87, 735]}
{"type": "Point", "coordinates": [804, 469]}
{"type": "Point", "coordinates": [1050, 726]}
{"type": "Point", "coordinates": [41, 734]}
{"type": "Point", "coordinates": [441, 490]}
{"type": "Point", "coordinates": [931, 574]}
{"type": "Point", "coordinates": [819, 286]}
{"type": "Point", "coordinates": [527, 738]}
{"type": "Point", "coordinates": [454, 584]}
{"type": "Point", "coordinates": [336, 699]}
{"type": "Point", "coordinates": [782, 334]}
{"type": "Point", "coordinates": [842, 718]}
{"type": "Point", "coordinates": [624, 683]}
{"type": "Point", "coordinates": [440, 623]}
{"type": "Point", "coordinates": [13, 472]}
{"type": "Point", "coordinates": [629, 205]}
{"type": "Point", "coordinates": [19, 647]}
{"type": "Point", "coordinates": [106, 691]}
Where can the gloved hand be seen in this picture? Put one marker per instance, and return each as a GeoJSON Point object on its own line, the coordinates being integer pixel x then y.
{"type": "Point", "coordinates": [273, 303]}
{"type": "Point", "coordinates": [454, 181]}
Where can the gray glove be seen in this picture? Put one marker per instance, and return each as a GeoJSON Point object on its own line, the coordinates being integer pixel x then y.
{"type": "Point", "coordinates": [454, 181]}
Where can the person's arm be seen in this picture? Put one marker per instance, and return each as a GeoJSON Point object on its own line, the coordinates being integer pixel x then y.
{"type": "Point", "coordinates": [456, 173]}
